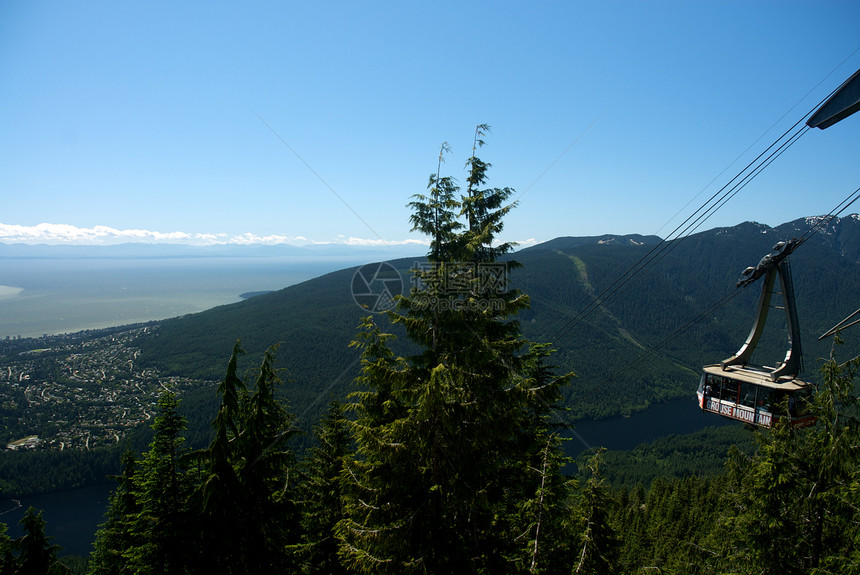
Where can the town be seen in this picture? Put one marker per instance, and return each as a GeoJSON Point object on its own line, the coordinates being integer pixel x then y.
{"type": "Point", "coordinates": [77, 391]}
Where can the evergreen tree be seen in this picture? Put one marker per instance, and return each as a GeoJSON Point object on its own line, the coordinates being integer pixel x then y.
{"type": "Point", "coordinates": [598, 542]}
{"type": "Point", "coordinates": [36, 555]}
{"type": "Point", "coordinates": [246, 517]}
{"type": "Point", "coordinates": [113, 539]}
{"type": "Point", "coordinates": [436, 214]}
{"type": "Point", "coordinates": [7, 559]}
{"type": "Point", "coordinates": [161, 488]}
{"type": "Point", "coordinates": [633, 529]}
{"type": "Point", "coordinates": [439, 434]}
{"type": "Point", "coordinates": [265, 469]}
{"type": "Point", "coordinates": [220, 495]}
{"type": "Point", "coordinates": [484, 209]}
{"type": "Point", "coordinates": [796, 500]}
{"type": "Point", "coordinates": [548, 513]}
{"type": "Point", "coordinates": [321, 495]}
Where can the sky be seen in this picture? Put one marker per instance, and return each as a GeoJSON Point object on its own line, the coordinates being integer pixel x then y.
{"type": "Point", "coordinates": [315, 122]}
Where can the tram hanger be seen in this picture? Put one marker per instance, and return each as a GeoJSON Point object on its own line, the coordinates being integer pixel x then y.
{"type": "Point", "coordinates": [754, 394]}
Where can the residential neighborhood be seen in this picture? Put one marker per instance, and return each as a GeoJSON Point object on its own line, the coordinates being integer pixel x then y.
{"type": "Point", "coordinates": [77, 392]}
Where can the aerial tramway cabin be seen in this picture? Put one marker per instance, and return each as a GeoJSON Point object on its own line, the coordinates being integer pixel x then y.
{"type": "Point", "coordinates": [749, 395]}
{"type": "Point", "coordinates": [761, 395]}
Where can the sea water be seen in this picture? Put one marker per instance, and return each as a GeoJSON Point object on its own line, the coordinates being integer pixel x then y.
{"type": "Point", "coordinates": [64, 295]}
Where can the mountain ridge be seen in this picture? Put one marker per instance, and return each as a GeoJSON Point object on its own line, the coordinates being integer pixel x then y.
{"type": "Point", "coordinates": [314, 321]}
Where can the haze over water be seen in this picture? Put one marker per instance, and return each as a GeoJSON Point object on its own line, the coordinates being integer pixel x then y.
{"type": "Point", "coordinates": [62, 295]}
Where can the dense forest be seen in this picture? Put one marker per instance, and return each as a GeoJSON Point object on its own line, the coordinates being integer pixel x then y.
{"type": "Point", "coordinates": [447, 456]}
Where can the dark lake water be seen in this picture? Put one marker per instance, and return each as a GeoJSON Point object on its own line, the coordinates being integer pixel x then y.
{"type": "Point", "coordinates": [73, 516]}
{"type": "Point", "coordinates": [674, 417]}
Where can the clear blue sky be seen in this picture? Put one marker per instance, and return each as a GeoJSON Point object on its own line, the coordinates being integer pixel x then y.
{"type": "Point", "coordinates": [146, 116]}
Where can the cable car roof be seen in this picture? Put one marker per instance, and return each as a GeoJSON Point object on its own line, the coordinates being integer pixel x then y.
{"type": "Point", "coordinates": [756, 376]}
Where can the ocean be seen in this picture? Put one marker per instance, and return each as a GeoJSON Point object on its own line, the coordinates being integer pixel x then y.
{"type": "Point", "coordinates": [41, 296]}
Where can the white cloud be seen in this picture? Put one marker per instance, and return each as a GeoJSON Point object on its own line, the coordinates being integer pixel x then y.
{"type": "Point", "coordinates": [352, 241]}
{"type": "Point", "coordinates": [104, 235]}
{"type": "Point", "coordinates": [526, 243]}
{"type": "Point", "coordinates": [57, 234]}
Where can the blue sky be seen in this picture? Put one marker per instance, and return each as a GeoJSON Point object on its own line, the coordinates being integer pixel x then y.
{"type": "Point", "coordinates": [316, 121]}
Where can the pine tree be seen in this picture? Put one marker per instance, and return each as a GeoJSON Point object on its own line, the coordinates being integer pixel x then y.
{"type": "Point", "coordinates": [598, 543]}
{"type": "Point", "coordinates": [439, 433]}
{"type": "Point", "coordinates": [220, 495]}
{"type": "Point", "coordinates": [436, 213]}
{"type": "Point", "coordinates": [321, 495]}
{"type": "Point", "coordinates": [36, 555]}
{"type": "Point", "coordinates": [161, 487]}
{"type": "Point", "coordinates": [246, 515]}
{"type": "Point", "coordinates": [796, 500]}
{"type": "Point", "coordinates": [485, 209]}
{"type": "Point", "coordinates": [113, 539]}
{"type": "Point", "coordinates": [548, 512]}
{"type": "Point", "coordinates": [7, 559]}
{"type": "Point", "coordinates": [265, 471]}
{"type": "Point", "coordinates": [631, 517]}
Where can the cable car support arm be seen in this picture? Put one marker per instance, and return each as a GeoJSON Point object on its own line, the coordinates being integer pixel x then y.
{"type": "Point", "coordinates": [772, 266]}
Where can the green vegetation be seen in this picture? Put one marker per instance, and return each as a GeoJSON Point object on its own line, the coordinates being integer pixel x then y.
{"type": "Point", "coordinates": [315, 320]}
{"type": "Point", "coordinates": [32, 552]}
{"type": "Point", "coordinates": [456, 464]}
{"type": "Point", "coordinates": [702, 453]}
{"type": "Point", "coordinates": [447, 455]}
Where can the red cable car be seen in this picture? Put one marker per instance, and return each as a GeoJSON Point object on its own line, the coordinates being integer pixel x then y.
{"type": "Point", "coordinates": [761, 395]}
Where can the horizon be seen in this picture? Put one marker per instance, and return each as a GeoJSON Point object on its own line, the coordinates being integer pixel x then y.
{"type": "Point", "coordinates": [47, 236]}
{"type": "Point", "coordinates": [288, 123]}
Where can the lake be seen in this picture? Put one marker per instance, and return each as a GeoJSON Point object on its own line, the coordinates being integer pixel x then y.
{"type": "Point", "coordinates": [674, 417]}
{"type": "Point", "coordinates": [72, 516]}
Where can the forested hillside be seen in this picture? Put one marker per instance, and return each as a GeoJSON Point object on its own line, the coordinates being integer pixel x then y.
{"type": "Point", "coordinates": [608, 348]}
{"type": "Point", "coordinates": [447, 456]}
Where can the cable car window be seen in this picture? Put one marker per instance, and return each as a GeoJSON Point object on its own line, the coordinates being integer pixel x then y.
{"type": "Point", "coordinates": [763, 399]}
{"type": "Point", "coordinates": [747, 394]}
{"type": "Point", "coordinates": [729, 390]}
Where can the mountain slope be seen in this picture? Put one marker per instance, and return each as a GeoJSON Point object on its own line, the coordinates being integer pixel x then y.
{"type": "Point", "coordinates": [608, 348]}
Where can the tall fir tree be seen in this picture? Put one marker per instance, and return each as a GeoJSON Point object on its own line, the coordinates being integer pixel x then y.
{"type": "Point", "coordinates": [7, 559]}
{"type": "Point", "coordinates": [113, 538]}
{"type": "Point", "coordinates": [266, 469]}
{"type": "Point", "coordinates": [599, 545]}
{"type": "Point", "coordinates": [36, 554]}
{"type": "Point", "coordinates": [220, 495]}
{"type": "Point", "coordinates": [438, 433]}
{"type": "Point", "coordinates": [245, 513]}
{"type": "Point", "coordinates": [321, 496]}
{"type": "Point", "coordinates": [436, 213]}
{"type": "Point", "coordinates": [544, 495]}
{"type": "Point", "coordinates": [161, 487]}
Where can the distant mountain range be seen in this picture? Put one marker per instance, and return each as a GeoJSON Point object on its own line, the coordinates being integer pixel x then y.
{"type": "Point", "coordinates": [627, 351]}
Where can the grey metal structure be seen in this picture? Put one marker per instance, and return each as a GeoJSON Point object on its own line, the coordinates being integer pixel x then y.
{"type": "Point", "coordinates": [844, 102]}
{"type": "Point", "coordinates": [773, 265]}
{"type": "Point", "coordinates": [755, 394]}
